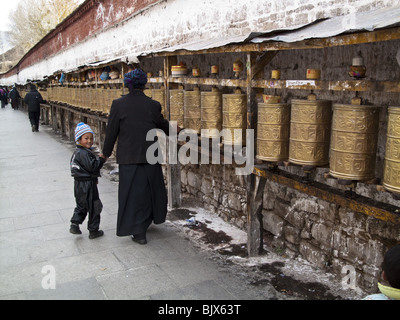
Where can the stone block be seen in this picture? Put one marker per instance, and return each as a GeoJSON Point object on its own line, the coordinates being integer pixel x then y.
{"type": "Point", "coordinates": [233, 201]}
{"type": "Point", "coordinates": [322, 233]}
{"type": "Point", "coordinates": [268, 200]}
{"type": "Point", "coordinates": [296, 218]}
{"type": "Point", "coordinates": [292, 234]}
{"type": "Point", "coordinates": [194, 180]}
{"type": "Point", "coordinates": [328, 211]}
{"type": "Point", "coordinates": [312, 254]}
{"type": "Point", "coordinates": [184, 179]}
{"type": "Point", "coordinates": [281, 208]}
{"type": "Point", "coordinates": [309, 204]}
{"type": "Point", "coordinates": [206, 186]}
{"type": "Point", "coordinates": [273, 223]}
{"type": "Point", "coordinates": [353, 250]}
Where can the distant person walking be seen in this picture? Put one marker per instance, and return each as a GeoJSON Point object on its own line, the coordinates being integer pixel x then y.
{"type": "Point", "coordinates": [85, 168]}
{"type": "Point", "coordinates": [3, 97]}
{"type": "Point", "coordinates": [14, 97]}
{"type": "Point", "coordinates": [33, 99]}
{"type": "Point", "coordinates": [142, 197]}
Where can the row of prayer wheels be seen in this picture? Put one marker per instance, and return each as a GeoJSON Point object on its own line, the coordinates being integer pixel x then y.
{"type": "Point", "coordinates": [307, 132]}
{"type": "Point", "coordinates": [318, 133]}
{"type": "Point", "coordinates": [208, 110]}
{"type": "Point", "coordinates": [94, 98]}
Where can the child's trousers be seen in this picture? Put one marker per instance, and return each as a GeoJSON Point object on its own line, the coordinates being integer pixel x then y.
{"type": "Point", "coordinates": [87, 201]}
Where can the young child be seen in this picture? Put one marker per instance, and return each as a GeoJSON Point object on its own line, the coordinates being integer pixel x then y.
{"type": "Point", "coordinates": [85, 168]}
{"type": "Point", "coordinates": [391, 274]}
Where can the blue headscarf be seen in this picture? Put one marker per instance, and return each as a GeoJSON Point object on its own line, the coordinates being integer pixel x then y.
{"type": "Point", "coordinates": [135, 79]}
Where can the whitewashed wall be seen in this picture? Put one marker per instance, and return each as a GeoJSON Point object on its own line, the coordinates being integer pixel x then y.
{"type": "Point", "coordinates": [174, 22]}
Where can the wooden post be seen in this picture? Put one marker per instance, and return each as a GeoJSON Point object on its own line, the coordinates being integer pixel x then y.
{"type": "Point", "coordinates": [255, 193]}
{"type": "Point", "coordinates": [255, 185]}
{"type": "Point", "coordinates": [173, 170]}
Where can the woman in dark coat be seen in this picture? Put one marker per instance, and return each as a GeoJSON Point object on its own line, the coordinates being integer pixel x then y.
{"type": "Point", "coordinates": [142, 197]}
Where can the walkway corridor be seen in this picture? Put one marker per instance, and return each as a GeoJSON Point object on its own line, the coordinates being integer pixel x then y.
{"type": "Point", "coordinates": [36, 204]}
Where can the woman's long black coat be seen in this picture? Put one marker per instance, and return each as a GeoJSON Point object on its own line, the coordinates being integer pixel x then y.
{"type": "Point", "coordinates": [131, 117]}
{"type": "Point", "coordinates": [142, 197]}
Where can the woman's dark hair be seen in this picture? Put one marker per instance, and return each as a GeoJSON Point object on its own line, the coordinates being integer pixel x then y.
{"type": "Point", "coordinates": [135, 79]}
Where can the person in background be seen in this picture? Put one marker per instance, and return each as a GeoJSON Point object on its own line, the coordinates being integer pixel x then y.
{"type": "Point", "coordinates": [142, 196]}
{"type": "Point", "coordinates": [85, 168]}
{"type": "Point", "coordinates": [391, 275]}
{"type": "Point", "coordinates": [14, 97]}
{"type": "Point", "coordinates": [3, 97]}
{"type": "Point", "coordinates": [33, 99]}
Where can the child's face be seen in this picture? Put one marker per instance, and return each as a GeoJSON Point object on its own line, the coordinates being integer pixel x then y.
{"type": "Point", "coordinates": [86, 140]}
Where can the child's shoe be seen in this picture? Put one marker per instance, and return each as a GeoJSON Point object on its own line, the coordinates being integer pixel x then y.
{"type": "Point", "coordinates": [74, 229]}
{"type": "Point", "coordinates": [95, 234]}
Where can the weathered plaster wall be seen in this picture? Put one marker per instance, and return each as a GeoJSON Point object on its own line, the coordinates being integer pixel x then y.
{"type": "Point", "coordinates": [111, 28]}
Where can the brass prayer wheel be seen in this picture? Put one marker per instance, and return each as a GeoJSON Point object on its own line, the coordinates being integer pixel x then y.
{"type": "Point", "coordinates": [159, 95]}
{"type": "Point", "coordinates": [176, 106]}
{"type": "Point", "coordinates": [234, 110]}
{"type": "Point", "coordinates": [147, 92]}
{"type": "Point", "coordinates": [313, 74]}
{"type": "Point", "coordinates": [102, 98]}
{"type": "Point", "coordinates": [86, 97]}
{"type": "Point", "coordinates": [192, 110]}
{"type": "Point", "coordinates": [273, 127]}
{"type": "Point", "coordinates": [92, 94]}
{"type": "Point", "coordinates": [354, 141]}
{"type": "Point", "coordinates": [391, 171]}
{"type": "Point", "coordinates": [310, 126]}
{"type": "Point", "coordinates": [211, 112]}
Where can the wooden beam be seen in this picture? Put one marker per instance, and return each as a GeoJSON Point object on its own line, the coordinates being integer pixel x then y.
{"type": "Point", "coordinates": [339, 85]}
{"type": "Point", "coordinates": [261, 62]}
{"type": "Point", "coordinates": [207, 81]}
{"type": "Point", "coordinates": [367, 206]}
{"type": "Point", "coordinates": [302, 84]}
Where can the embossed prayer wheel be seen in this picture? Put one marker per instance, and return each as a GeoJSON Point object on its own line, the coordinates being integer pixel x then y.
{"type": "Point", "coordinates": [147, 92]}
{"type": "Point", "coordinates": [92, 95]}
{"type": "Point", "coordinates": [103, 94]}
{"type": "Point", "coordinates": [391, 172]}
{"type": "Point", "coordinates": [159, 95]}
{"type": "Point", "coordinates": [192, 110]}
{"type": "Point", "coordinates": [176, 106]}
{"type": "Point", "coordinates": [211, 112]}
{"type": "Point", "coordinates": [234, 110]}
{"type": "Point", "coordinates": [273, 128]}
{"type": "Point", "coordinates": [86, 97]}
{"type": "Point", "coordinates": [310, 126]}
{"type": "Point", "coordinates": [354, 141]}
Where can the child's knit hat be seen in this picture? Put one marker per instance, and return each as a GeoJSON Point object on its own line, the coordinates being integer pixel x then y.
{"type": "Point", "coordinates": [81, 129]}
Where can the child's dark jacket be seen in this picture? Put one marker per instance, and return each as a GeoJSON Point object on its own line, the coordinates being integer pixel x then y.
{"type": "Point", "coordinates": [85, 165]}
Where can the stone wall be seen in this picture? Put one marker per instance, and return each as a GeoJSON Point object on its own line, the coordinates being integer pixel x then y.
{"type": "Point", "coordinates": [219, 190]}
{"type": "Point", "coordinates": [327, 235]}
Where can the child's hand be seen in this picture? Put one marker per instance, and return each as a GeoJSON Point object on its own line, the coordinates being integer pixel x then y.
{"type": "Point", "coordinates": [103, 156]}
